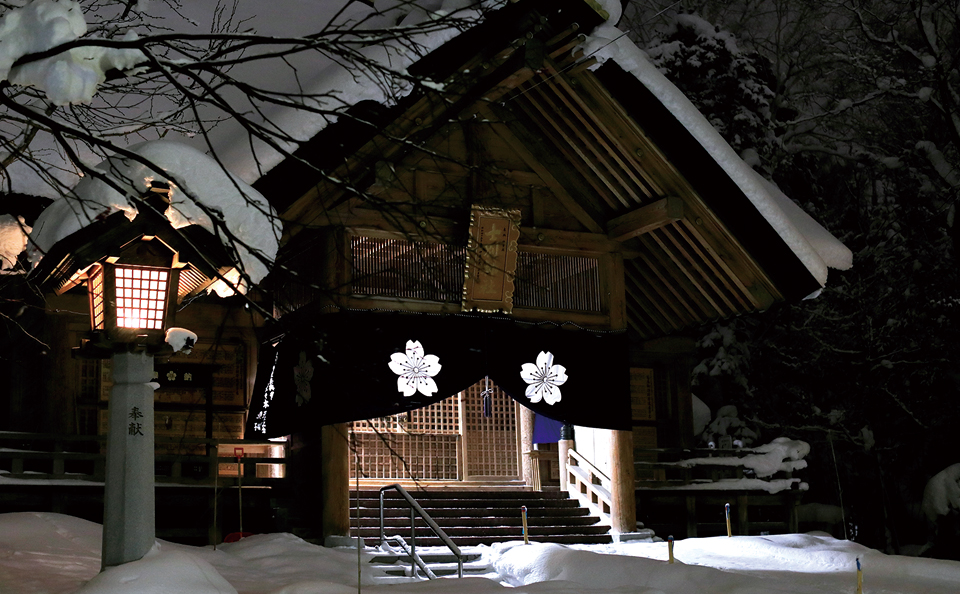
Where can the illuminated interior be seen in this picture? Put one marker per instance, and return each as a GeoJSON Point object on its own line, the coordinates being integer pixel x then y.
{"type": "Point", "coordinates": [141, 297]}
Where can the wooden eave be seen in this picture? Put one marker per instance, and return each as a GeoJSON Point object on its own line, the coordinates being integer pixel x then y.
{"type": "Point", "coordinates": [630, 180]}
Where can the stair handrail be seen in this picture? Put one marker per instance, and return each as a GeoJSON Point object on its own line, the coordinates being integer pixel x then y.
{"type": "Point", "coordinates": [582, 462]}
{"type": "Point", "coordinates": [416, 509]}
{"type": "Point", "coordinates": [594, 481]}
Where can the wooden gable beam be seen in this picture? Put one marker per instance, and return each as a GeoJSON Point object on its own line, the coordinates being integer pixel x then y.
{"type": "Point", "coordinates": [645, 219]}
{"type": "Point", "coordinates": [537, 160]}
{"type": "Point", "coordinates": [423, 118]}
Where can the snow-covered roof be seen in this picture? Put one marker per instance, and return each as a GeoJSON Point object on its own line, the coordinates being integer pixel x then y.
{"type": "Point", "coordinates": [319, 75]}
{"type": "Point", "coordinates": [816, 247]}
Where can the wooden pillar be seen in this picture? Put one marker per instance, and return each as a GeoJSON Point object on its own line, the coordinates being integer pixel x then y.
{"type": "Point", "coordinates": [463, 451]}
{"type": "Point", "coordinates": [526, 444]}
{"type": "Point", "coordinates": [564, 445]}
{"type": "Point", "coordinates": [622, 493]}
{"type": "Point", "coordinates": [335, 479]}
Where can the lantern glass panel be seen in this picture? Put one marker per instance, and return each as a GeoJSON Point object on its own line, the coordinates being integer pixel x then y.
{"type": "Point", "coordinates": [96, 298]}
{"type": "Point", "coordinates": [141, 297]}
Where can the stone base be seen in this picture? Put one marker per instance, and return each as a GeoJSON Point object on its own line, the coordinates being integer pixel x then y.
{"type": "Point", "coordinates": [641, 535]}
{"type": "Point", "coordinates": [342, 541]}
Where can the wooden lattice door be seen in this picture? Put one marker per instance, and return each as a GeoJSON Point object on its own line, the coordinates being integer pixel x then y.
{"type": "Point", "coordinates": [419, 445]}
{"type": "Point", "coordinates": [469, 436]}
{"type": "Point", "coordinates": [489, 433]}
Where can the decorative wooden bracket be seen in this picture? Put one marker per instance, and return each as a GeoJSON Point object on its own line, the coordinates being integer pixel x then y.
{"type": "Point", "coordinates": [645, 219]}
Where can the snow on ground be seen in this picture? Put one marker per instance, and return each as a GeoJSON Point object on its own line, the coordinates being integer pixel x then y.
{"type": "Point", "coordinates": [43, 553]}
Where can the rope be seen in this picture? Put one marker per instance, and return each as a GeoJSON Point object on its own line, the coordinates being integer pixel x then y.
{"type": "Point", "coordinates": [843, 515]}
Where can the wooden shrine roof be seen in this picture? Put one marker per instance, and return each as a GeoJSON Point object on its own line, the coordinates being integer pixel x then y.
{"type": "Point", "coordinates": [591, 158]}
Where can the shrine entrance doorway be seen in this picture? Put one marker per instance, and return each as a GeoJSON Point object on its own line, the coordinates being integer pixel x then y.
{"type": "Point", "coordinates": [471, 436]}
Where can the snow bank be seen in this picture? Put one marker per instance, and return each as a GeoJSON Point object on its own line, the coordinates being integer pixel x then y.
{"type": "Point", "coordinates": [813, 245]}
{"type": "Point", "coordinates": [521, 565]}
{"type": "Point", "coordinates": [154, 575]}
{"type": "Point", "coordinates": [942, 493]}
{"type": "Point", "coordinates": [200, 189]}
{"type": "Point", "coordinates": [47, 553]}
{"type": "Point", "coordinates": [55, 554]}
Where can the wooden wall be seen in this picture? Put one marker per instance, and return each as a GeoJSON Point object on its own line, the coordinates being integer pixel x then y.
{"type": "Point", "coordinates": [54, 392]}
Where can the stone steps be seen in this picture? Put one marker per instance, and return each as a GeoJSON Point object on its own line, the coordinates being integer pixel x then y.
{"type": "Point", "coordinates": [478, 517]}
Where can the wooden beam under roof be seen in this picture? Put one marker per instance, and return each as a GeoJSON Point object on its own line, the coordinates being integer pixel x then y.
{"type": "Point", "coordinates": [409, 131]}
{"type": "Point", "coordinates": [538, 162]}
{"type": "Point", "coordinates": [645, 219]}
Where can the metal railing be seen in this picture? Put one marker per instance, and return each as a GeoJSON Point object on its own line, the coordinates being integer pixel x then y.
{"type": "Point", "coordinates": [411, 549]}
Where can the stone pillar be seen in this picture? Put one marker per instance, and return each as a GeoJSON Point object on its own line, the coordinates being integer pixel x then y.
{"type": "Point", "coordinates": [335, 479]}
{"type": "Point", "coordinates": [565, 444]}
{"type": "Point", "coordinates": [129, 510]}
{"type": "Point", "coordinates": [624, 509]}
{"type": "Point", "coordinates": [526, 444]}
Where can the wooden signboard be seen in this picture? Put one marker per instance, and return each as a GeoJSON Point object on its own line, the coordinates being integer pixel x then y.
{"type": "Point", "coordinates": [642, 398]}
{"type": "Point", "coordinates": [491, 260]}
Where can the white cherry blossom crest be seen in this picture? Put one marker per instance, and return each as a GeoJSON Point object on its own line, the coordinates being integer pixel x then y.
{"type": "Point", "coordinates": [544, 378]}
{"type": "Point", "coordinates": [415, 370]}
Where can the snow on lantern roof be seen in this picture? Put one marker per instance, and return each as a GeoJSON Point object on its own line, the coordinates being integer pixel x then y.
{"type": "Point", "coordinates": [200, 189]}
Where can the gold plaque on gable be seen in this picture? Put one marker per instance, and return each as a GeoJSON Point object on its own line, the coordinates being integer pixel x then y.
{"type": "Point", "coordinates": [491, 260]}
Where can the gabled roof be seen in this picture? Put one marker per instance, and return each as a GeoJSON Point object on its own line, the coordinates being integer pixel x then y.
{"type": "Point", "coordinates": [608, 160]}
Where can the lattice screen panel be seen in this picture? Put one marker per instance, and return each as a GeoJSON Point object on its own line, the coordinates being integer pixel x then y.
{"type": "Point", "coordinates": [407, 269]}
{"type": "Point", "coordinates": [404, 456]}
{"type": "Point", "coordinates": [557, 282]}
{"type": "Point", "coordinates": [490, 441]}
{"type": "Point", "coordinates": [442, 418]}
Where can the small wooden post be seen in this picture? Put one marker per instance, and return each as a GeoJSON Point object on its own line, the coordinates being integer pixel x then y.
{"type": "Point", "coordinates": [670, 548]}
{"type": "Point", "coordinates": [238, 454]}
{"type": "Point", "coordinates": [526, 535]}
{"type": "Point", "coordinates": [726, 508]}
{"type": "Point", "coordinates": [859, 577]}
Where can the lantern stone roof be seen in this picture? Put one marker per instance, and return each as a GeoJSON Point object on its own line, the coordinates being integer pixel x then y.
{"type": "Point", "coordinates": [200, 253]}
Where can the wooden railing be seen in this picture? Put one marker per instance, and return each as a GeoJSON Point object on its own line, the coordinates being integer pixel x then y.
{"type": "Point", "coordinates": [686, 500]}
{"type": "Point", "coordinates": [675, 467]}
{"type": "Point", "coordinates": [588, 484]}
{"type": "Point", "coordinates": [36, 457]}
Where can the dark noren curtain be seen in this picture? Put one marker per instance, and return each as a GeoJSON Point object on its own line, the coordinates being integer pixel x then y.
{"type": "Point", "coordinates": [336, 369]}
